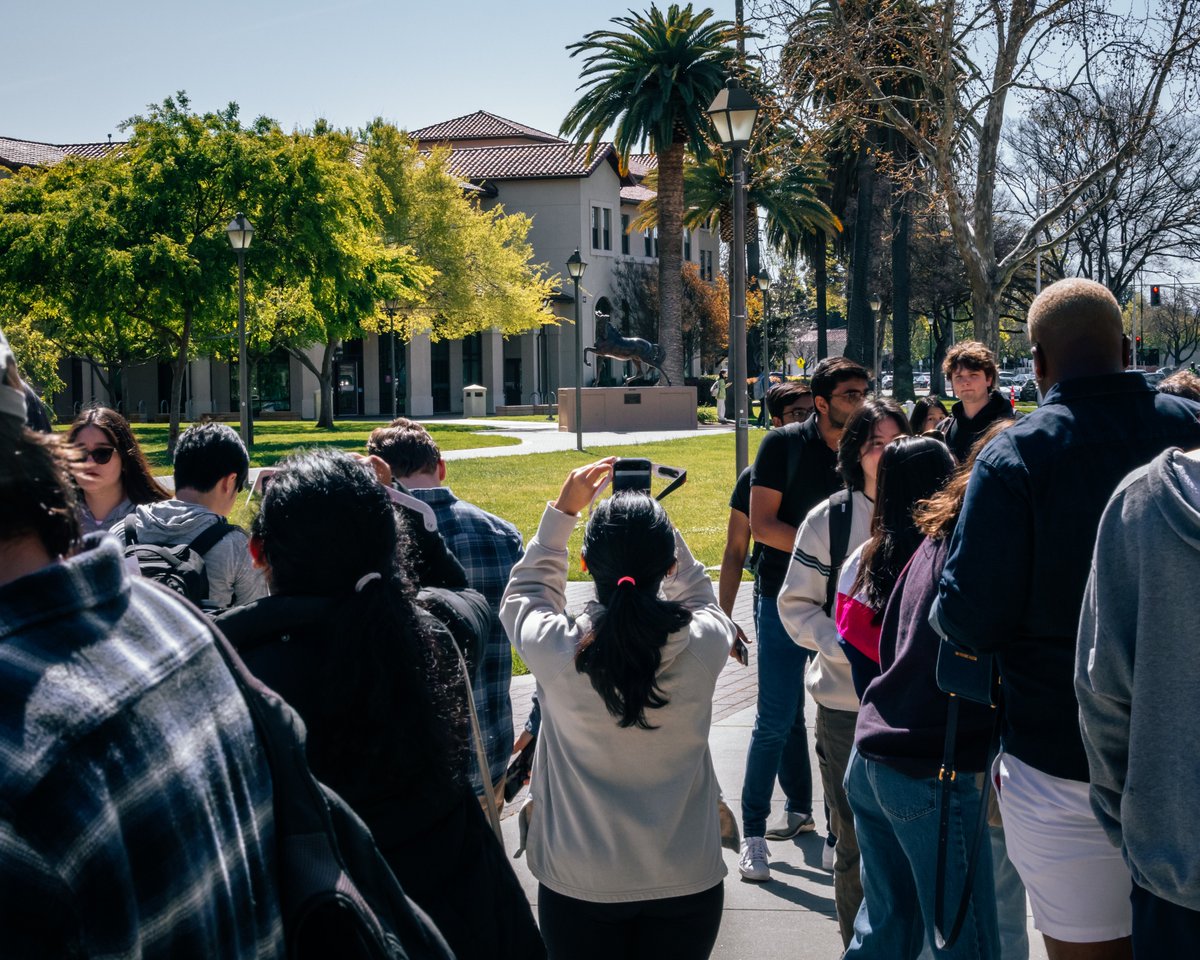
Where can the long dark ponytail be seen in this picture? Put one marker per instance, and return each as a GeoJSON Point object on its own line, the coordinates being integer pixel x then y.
{"type": "Point", "coordinates": [629, 546]}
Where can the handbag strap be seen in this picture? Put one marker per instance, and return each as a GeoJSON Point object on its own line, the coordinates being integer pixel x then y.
{"type": "Point", "coordinates": [946, 776]}
{"type": "Point", "coordinates": [481, 760]}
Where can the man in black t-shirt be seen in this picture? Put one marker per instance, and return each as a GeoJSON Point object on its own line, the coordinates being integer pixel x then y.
{"type": "Point", "coordinates": [796, 468]}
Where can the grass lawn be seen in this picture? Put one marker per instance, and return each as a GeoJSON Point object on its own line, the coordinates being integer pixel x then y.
{"type": "Point", "coordinates": [274, 440]}
{"type": "Point", "coordinates": [517, 488]}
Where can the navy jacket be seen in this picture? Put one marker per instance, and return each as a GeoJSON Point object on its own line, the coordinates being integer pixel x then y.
{"type": "Point", "coordinates": [1020, 556]}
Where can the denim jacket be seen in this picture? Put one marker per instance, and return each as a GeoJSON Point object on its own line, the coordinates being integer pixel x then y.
{"type": "Point", "coordinates": [1020, 556]}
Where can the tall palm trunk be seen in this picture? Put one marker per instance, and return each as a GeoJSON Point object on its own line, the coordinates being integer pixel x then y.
{"type": "Point", "coordinates": [822, 284]}
{"type": "Point", "coordinates": [902, 385]}
{"type": "Point", "coordinates": [859, 322]}
{"type": "Point", "coordinates": [670, 259]}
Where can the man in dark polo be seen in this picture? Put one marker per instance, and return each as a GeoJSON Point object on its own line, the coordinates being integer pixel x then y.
{"type": "Point", "coordinates": [796, 468]}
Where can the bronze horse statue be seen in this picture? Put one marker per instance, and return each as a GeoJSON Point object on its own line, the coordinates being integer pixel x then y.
{"type": "Point", "coordinates": [620, 347]}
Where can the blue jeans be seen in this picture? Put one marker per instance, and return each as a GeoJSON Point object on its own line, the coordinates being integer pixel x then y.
{"type": "Point", "coordinates": [779, 741]}
{"type": "Point", "coordinates": [896, 819]}
{"type": "Point", "coordinates": [1010, 901]}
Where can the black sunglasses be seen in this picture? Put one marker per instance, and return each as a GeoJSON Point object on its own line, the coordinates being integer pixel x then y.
{"type": "Point", "coordinates": [100, 454]}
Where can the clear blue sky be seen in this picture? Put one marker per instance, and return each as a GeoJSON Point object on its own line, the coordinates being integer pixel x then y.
{"type": "Point", "coordinates": [73, 70]}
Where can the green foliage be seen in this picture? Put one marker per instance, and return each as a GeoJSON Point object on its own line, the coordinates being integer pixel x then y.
{"type": "Point", "coordinates": [653, 80]}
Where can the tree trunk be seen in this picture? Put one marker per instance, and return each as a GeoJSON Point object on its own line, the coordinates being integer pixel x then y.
{"type": "Point", "coordinates": [859, 322]}
{"type": "Point", "coordinates": [944, 330]}
{"type": "Point", "coordinates": [325, 376]}
{"type": "Point", "coordinates": [670, 259]}
{"type": "Point", "coordinates": [822, 284]}
{"type": "Point", "coordinates": [178, 372]}
{"type": "Point", "coordinates": [902, 385]}
{"type": "Point", "coordinates": [985, 310]}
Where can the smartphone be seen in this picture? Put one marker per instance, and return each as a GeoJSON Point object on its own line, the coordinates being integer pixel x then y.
{"type": "Point", "coordinates": [740, 652]}
{"type": "Point", "coordinates": [630, 473]}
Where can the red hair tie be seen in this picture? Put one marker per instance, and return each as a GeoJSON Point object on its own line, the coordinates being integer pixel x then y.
{"type": "Point", "coordinates": [628, 580]}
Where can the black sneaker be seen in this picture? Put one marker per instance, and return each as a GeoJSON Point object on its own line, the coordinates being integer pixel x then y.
{"type": "Point", "coordinates": [788, 825]}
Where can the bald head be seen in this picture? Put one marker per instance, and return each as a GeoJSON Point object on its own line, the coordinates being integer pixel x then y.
{"type": "Point", "coordinates": [1076, 327]}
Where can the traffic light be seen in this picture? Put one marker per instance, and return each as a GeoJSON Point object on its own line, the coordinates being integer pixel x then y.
{"type": "Point", "coordinates": [1139, 342]}
{"type": "Point", "coordinates": [1155, 299]}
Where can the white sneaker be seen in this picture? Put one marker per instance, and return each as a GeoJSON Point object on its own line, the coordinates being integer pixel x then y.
{"type": "Point", "coordinates": [753, 863]}
{"type": "Point", "coordinates": [828, 856]}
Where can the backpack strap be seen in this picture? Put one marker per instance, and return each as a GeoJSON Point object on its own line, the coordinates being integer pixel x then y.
{"type": "Point", "coordinates": [793, 457]}
{"type": "Point", "coordinates": [841, 512]}
{"type": "Point", "coordinates": [210, 536]}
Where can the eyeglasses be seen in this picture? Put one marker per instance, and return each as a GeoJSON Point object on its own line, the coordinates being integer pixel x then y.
{"type": "Point", "coordinates": [99, 454]}
{"type": "Point", "coordinates": [854, 396]}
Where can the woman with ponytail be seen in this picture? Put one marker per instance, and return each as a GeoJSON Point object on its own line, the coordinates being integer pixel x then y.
{"type": "Point", "coordinates": [624, 837]}
{"type": "Point", "coordinates": [375, 679]}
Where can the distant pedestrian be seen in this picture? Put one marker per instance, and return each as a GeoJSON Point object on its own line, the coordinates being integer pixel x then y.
{"type": "Point", "coordinates": [719, 392]}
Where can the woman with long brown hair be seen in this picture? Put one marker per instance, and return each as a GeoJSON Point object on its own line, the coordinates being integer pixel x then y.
{"type": "Point", "coordinates": [893, 774]}
{"type": "Point", "coordinates": [112, 472]}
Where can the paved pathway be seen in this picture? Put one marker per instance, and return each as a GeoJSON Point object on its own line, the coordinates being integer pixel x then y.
{"type": "Point", "coordinates": [793, 915]}
{"type": "Point", "coordinates": [545, 437]}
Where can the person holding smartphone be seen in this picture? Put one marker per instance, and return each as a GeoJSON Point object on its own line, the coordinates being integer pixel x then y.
{"type": "Point", "coordinates": [624, 838]}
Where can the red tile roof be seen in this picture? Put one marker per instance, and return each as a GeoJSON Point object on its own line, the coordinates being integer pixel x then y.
{"type": "Point", "coordinates": [27, 153]}
{"type": "Point", "coordinates": [30, 153]}
{"type": "Point", "coordinates": [641, 164]}
{"type": "Point", "coordinates": [536, 161]}
{"type": "Point", "coordinates": [481, 125]}
{"type": "Point", "coordinates": [636, 194]}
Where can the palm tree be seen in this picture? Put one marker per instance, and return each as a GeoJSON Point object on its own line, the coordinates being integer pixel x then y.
{"type": "Point", "coordinates": [653, 80]}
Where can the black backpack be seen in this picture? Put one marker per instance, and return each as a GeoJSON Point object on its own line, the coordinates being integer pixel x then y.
{"type": "Point", "coordinates": [179, 568]}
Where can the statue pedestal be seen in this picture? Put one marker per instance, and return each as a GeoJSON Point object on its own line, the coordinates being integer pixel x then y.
{"type": "Point", "coordinates": [625, 409]}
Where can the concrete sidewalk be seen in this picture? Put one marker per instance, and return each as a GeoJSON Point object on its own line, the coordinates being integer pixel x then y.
{"type": "Point", "coordinates": [538, 437]}
{"type": "Point", "coordinates": [793, 915]}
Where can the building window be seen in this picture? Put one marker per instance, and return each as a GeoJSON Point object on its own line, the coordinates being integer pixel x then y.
{"type": "Point", "coordinates": [472, 360]}
{"type": "Point", "coordinates": [601, 228]}
{"type": "Point", "coordinates": [687, 244]}
{"type": "Point", "coordinates": [625, 234]}
{"type": "Point", "coordinates": [648, 240]}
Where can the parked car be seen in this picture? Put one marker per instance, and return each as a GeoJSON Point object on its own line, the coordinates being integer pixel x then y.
{"type": "Point", "coordinates": [1028, 392]}
{"type": "Point", "coordinates": [1154, 379]}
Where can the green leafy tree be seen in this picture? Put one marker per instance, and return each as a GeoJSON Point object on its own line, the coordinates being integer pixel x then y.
{"type": "Point", "coordinates": [650, 81]}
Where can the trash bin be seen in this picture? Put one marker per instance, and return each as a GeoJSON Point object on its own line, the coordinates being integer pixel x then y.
{"type": "Point", "coordinates": [474, 401]}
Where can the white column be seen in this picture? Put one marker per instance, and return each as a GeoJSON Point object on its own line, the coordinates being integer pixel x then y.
{"type": "Point", "coordinates": [493, 368]}
{"type": "Point", "coordinates": [418, 391]}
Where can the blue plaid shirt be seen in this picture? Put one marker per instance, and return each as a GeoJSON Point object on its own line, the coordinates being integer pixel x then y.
{"type": "Point", "coordinates": [135, 809]}
{"type": "Point", "coordinates": [488, 548]}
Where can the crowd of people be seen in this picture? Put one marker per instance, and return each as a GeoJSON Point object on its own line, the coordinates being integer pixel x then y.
{"type": "Point", "coordinates": [964, 594]}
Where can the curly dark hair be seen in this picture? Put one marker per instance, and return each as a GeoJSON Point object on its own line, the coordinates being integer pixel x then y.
{"type": "Point", "coordinates": [37, 494]}
{"type": "Point", "coordinates": [324, 524]}
{"type": "Point", "coordinates": [140, 485]}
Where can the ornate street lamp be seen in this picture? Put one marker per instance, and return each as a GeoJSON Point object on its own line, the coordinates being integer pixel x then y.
{"type": "Point", "coordinates": [240, 232]}
{"type": "Point", "coordinates": [734, 112]}
{"type": "Point", "coordinates": [876, 303]}
{"type": "Point", "coordinates": [576, 267]}
{"type": "Point", "coordinates": [391, 307]}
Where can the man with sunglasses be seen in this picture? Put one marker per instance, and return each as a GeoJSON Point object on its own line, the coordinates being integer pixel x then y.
{"type": "Point", "coordinates": [796, 468]}
{"type": "Point", "coordinates": [211, 466]}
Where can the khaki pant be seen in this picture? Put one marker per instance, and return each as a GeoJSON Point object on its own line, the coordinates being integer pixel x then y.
{"type": "Point", "coordinates": [835, 738]}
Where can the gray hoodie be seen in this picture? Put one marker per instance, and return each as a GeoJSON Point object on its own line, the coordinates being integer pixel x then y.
{"type": "Point", "coordinates": [1137, 675]}
{"type": "Point", "coordinates": [232, 578]}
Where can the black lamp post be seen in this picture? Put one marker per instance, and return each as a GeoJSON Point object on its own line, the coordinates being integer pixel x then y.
{"type": "Point", "coordinates": [390, 307]}
{"type": "Point", "coordinates": [764, 287]}
{"type": "Point", "coordinates": [575, 267]}
{"type": "Point", "coordinates": [876, 303]}
{"type": "Point", "coordinates": [734, 112]}
{"type": "Point", "coordinates": [240, 232]}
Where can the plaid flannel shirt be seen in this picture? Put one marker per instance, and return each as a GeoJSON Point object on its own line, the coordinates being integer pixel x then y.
{"type": "Point", "coordinates": [135, 809]}
{"type": "Point", "coordinates": [488, 548]}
